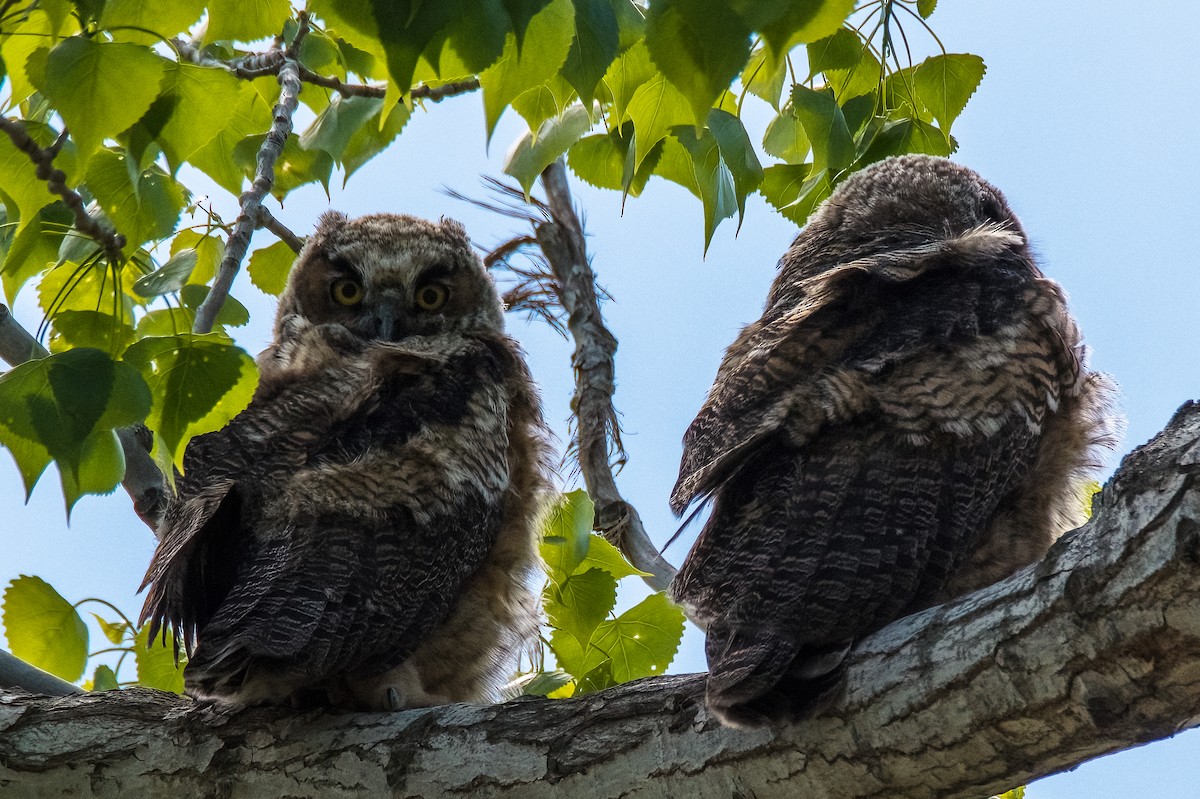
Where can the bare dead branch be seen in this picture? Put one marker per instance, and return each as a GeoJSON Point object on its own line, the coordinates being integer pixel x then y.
{"type": "Point", "coordinates": [56, 183]}
{"type": "Point", "coordinates": [598, 432]}
{"type": "Point", "coordinates": [1090, 651]}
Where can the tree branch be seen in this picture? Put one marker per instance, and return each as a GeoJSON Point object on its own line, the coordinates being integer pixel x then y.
{"type": "Point", "coordinates": [264, 179]}
{"type": "Point", "coordinates": [561, 239]}
{"type": "Point", "coordinates": [56, 183]}
{"type": "Point", "coordinates": [282, 232]}
{"type": "Point", "coordinates": [143, 480]}
{"type": "Point", "coordinates": [1092, 650]}
{"type": "Point", "coordinates": [16, 673]}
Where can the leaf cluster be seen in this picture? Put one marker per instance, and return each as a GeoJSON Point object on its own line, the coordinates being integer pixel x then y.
{"type": "Point", "coordinates": [46, 630]}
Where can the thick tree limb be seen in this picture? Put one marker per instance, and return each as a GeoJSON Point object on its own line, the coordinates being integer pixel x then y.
{"type": "Point", "coordinates": [143, 480]}
{"type": "Point", "coordinates": [16, 673]}
{"type": "Point", "coordinates": [1092, 650]}
{"type": "Point", "coordinates": [561, 239]}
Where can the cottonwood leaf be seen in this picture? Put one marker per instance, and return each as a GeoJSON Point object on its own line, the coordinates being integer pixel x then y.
{"type": "Point", "coordinates": [714, 181]}
{"type": "Point", "coordinates": [946, 82]}
{"type": "Point", "coordinates": [699, 46]}
{"type": "Point", "coordinates": [43, 629]}
{"type": "Point", "coordinates": [156, 666]}
{"type": "Point", "coordinates": [566, 533]}
{"type": "Point", "coordinates": [90, 329]}
{"type": "Point", "coordinates": [738, 155]}
{"type": "Point", "coordinates": [103, 679]}
{"type": "Point", "coordinates": [269, 267]}
{"type": "Point", "coordinates": [641, 642]}
{"type": "Point", "coordinates": [655, 109]}
{"type": "Point", "coordinates": [764, 75]}
{"type": "Point", "coordinates": [825, 126]}
{"type": "Point", "coordinates": [245, 20]}
{"type": "Point", "coordinates": [805, 21]}
{"type": "Point", "coordinates": [578, 604]}
{"type": "Point", "coordinates": [168, 278]}
{"type": "Point", "coordinates": [143, 205]}
{"type": "Point", "coordinates": [128, 20]}
{"type": "Point", "coordinates": [100, 88]}
{"type": "Point", "coordinates": [529, 155]}
{"type": "Point", "coordinates": [595, 45]}
{"type": "Point", "coordinates": [198, 383]}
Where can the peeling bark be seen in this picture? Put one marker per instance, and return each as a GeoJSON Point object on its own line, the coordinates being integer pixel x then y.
{"type": "Point", "coordinates": [1093, 650]}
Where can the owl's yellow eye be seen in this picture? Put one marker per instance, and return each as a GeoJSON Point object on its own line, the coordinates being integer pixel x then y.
{"type": "Point", "coordinates": [346, 291]}
{"type": "Point", "coordinates": [432, 297]}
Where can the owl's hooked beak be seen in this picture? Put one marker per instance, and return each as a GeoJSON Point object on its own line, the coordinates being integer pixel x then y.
{"type": "Point", "coordinates": [387, 320]}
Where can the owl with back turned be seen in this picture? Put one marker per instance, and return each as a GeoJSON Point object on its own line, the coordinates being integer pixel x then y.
{"type": "Point", "coordinates": [362, 535]}
{"type": "Point", "coordinates": [910, 419]}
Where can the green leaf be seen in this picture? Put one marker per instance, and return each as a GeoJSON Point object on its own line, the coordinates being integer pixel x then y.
{"type": "Point", "coordinates": [631, 70]}
{"type": "Point", "coordinates": [339, 122]}
{"type": "Point", "coordinates": [63, 402]}
{"type": "Point", "coordinates": [902, 136]}
{"type": "Point", "coordinates": [87, 287]}
{"type": "Point", "coordinates": [699, 46]}
{"type": "Point", "coordinates": [764, 76]}
{"type": "Point", "coordinates": [546, 682]}
{"type": "Point", "coordinates": [596, 43]}
{"type": "Point", "coordinates": [44, 629]}
{"type": "Point", "coordinates": [104, 679]}
{"type": "Point", "coordinates": [294, 168]}
{"type": "Point", "coordinates": [655, 109]}
{"type": "Point", "coordinates": [232, 313]}
{"type": "Point", "coordinates": [372, 138]}
{"type": "Point", "coordinates": [529, 156]}
{"type": "Point", "coordinates": [544, 102]}
{"type": "Point", "coordinates": [806, 21]}
{"type": "Point", "coordinates": [477, 35]}
{"type": "Point", "coordinates": [90, 329]}
{"type": "Point", "coordinates": [925, 9]}
{"type": "Point", "coordinates": [209, 249]}
{"type": "Point", "coordinates": [713, 178]}
{"type": "Point", "coordinates": [29, 254]}
{"type": "Point", "coordinates": [25, 38]}
{"type": "Point", "coordinates": [631, 23]}
{"type": "Point", "coordinates": [840, 51]}
{"type": "Point", "coordinates": [785, 138]}
{"type": "Point", "coordinates": [156, 666]}
{"type": "Point", "coordinates": [604, 161]}
{"type": "Point", "coordinates": [250, 115]}
{"type": "Point", "coordinates": [122, 17]}
{"type": "Point", "coordinates": [596, 679]}
{"type": "Point", "coordinates": [114, 631]}
{"type": "Point", "coordinates": [198, 383]}
{"type": "Point", "coordinates": [142, 205]}
{"type": "Point", "coordinates": [641, 642]}
{"type": "Point", "coordinates": [246, 20]}
{"type": "Point", "coordinates": [100, 88]}
{"type": "Point", "coordinates": [23, 193]}
{"type": "Point", "coordinates": [946, 82]}
{"type": "Point", "coordinates": [738, 154]}
{"type": "Point", "coordinates": [269, 267]}
{"type": "Point", "coordinates": [825, 126]}
{"type": "Point", "coordinates": [192, 110]}
{"type": "Point", "coordinates": [543, 51]}
{"type": "Point", "coordinates": [603, 555]}
{"type": "Point", "coordinates": [578, 604]}
{"type": "Point", "coordinates": [566, 533]}
{"type": "Point", "coordinates": [863, 78]}
{"type": "Point", "coordinates": [168, 278]}
{"type": "Point", "coordinates": [782, 186]}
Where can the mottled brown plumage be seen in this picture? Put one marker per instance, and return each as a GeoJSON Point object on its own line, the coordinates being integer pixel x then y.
{"type": "Point", "coordinates": [362, 534]}
{"type": "Point", "coordinates": [911, 419]}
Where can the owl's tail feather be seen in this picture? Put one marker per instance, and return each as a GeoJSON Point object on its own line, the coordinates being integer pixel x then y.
{"type": "Point", "coordinates": [760, 676]}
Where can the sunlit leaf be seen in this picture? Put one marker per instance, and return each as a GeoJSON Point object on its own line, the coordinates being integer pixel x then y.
{"type": "Point", "coordinates": [713, 178]}
{"type": "Point", "coordinates": [143, 205]}
{"type": "Point", "coordinates": [104, 679]}
{"type": "Point", "coordinates": [579, 603]}
{"type": "Point", "coordinates": [738, 155]}
{"type": "Point", "coordinates": [246, 20]}
{"type": "Point", "coordinates": [946, 82]}
{"type": "Point", "coordinates": [128, 20]}
{"type": "Point", "coordinates": [840, 51]}
{"type": "Point", "coordinates": [785, 138]}
{"type": "Point", "coordinates": [34, 250]}
{"type": "Point", "coordinates": [604, 160]}
{"type": "Point", "coordinates": [90, 329]}
{"type": "Point", "coordinates": [546, 682]}
{"type": "Point", "coordinates": [632, 69]}
{"type": "Point", "coordinates": [805, 21]}
{"type": "Point", "coordinates": [114, 631]}
{"type": "Point", "coordinates": [193, 109]}
{"type": "Point", "coordinates": [925, 8]}
{"type": "Point", "coordinates": [825, 126]}
{"type": "Point", "coordinates": [603, 555]}
{"type": "Point", "coordinates": [655, 109]}
{"type": "Point", "coordinates": [543, 51]}
{"type": "Point", "coordinates": [269, 267]}
{"type": "Point", "coordinates": [44, 629]}
{"type": "Point", "coordinates": [231, 314]}
{"type": "Point", "coordinates": [156, 666]}
{"type": "Point", "coordinates": [22, 192]}
{"type": "Point", "coordinates": [641, 642]}
{"type": "Point", "coordinates": [100, 88]}
{"type": "Point", "coordinates": [198, 382]}
{"type": "Point", "coordinates": [250, 115]}
{"type": "Point", "coordinates": [699, 46]}
{"type": "Point", "coordinates": [209, 248]}
{"type": "Point", "coordinates": [529, 156]}
{"type": "Point", "coordinates": [344, 117]}
{"type": "Point", "coordinates": [294, 168]}
{"type": "Point", "coordinates": [763, 76]}
{"type": "Point", "coordinates": [566, 533]}
{"type": "Point", "coordinates": [168, 278]}
{"type": "Point", "coordinates": [476, 35]}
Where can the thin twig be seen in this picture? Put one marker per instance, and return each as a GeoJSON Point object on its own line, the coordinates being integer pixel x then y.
{"type": "Point", "coordinates": [251, 201]}
{"type": "Point", "coordinates": [563, 243]}
{"type": "Point", "coordinates": [56, 183]}
{"type": "Point", "coordinates": [267, 220]}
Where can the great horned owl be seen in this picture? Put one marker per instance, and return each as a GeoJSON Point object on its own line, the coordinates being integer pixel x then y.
{"type": "Point", "coordinates": [910, 419]}
{"type": "Point", "coordinates": [362, 534]}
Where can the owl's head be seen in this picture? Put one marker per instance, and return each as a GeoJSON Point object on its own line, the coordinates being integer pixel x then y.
{"type": "Point", "coordinates": [390, 276]}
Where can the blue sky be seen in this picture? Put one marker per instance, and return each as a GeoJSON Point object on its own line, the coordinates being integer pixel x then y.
{"type": "Point", "coordinates": [1085, 120]}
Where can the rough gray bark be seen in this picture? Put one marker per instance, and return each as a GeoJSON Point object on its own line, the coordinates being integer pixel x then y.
{"type": "Point", "coordinates": [1092, 650]}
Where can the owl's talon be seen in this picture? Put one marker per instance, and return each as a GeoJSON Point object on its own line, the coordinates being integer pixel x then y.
{"type": "Point", "coordinates": [393, 700]}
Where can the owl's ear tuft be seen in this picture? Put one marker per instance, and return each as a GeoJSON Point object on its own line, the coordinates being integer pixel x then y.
{"type": "Point", "coordinates": [453, 227]}
{"type": "Point", "coordinates": [329, 222]}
